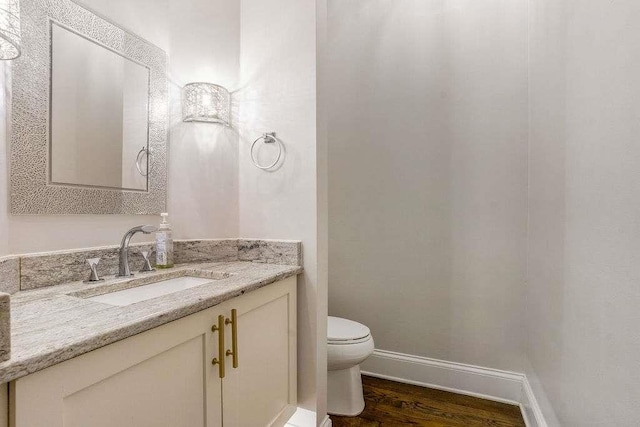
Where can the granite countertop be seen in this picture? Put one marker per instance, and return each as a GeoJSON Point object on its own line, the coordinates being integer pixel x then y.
{"type": "Point", "coordinates": [53, 324]}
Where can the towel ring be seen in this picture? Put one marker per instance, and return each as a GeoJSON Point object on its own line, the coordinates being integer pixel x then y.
{"type": "Point", "coordinates": [146, 151]}
{"type": "Point", "coordinates": [269, 138]}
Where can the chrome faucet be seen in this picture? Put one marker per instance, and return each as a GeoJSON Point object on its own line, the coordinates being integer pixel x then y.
{"type": "Point", "coordinates": [123, 268]}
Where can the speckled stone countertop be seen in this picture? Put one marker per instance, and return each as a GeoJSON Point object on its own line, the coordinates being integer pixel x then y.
{"type": "Point", "coordinates": [53, 324]}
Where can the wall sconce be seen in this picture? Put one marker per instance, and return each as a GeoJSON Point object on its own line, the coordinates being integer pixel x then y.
{"type": "Point", "coordinates": [9, 29]}
{"type": "Point", "coordinates": [206, 102]}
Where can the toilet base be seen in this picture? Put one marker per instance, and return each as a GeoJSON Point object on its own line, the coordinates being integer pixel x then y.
{"type": "Point", "coordinates": [344, 392]}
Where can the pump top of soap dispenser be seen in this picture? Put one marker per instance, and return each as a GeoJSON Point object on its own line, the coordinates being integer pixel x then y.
{"type": "Point", "coordinates": [164, 225]}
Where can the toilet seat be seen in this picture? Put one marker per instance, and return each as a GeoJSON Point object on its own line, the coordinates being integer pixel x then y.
{"type": "Point", "coordinates": [349, 342]}
{"type": "Point", "coordinates": [344, 332]}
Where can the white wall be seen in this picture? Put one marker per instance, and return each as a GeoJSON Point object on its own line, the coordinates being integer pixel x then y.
{"type": "Point", "coordinates": [322, 197]}
{"type": "Point", "coordinates": [584, 263]}
{"type": "Point", "coordinates": [427, 175]}
{"type": "Point", "coordinates": [278, 93]}
{"type": "Point", "coordinates": [203, 179]}
{"type": "Point", "coordinates": [201, 38]}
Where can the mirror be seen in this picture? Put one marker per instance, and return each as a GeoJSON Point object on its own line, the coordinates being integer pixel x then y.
{"type": "Point", "coordinates": [99, 114]}
{"type": "Point", "coordinates": [89, 116]}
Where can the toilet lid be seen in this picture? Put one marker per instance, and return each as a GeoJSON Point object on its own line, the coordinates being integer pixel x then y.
{"type": "Point", "coordinates": [340, 330]}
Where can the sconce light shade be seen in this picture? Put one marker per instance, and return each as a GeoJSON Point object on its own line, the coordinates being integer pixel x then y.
{"type": "Point", "coordinates": [9, 29]}
{"type": "Point", "coordinates": [205, 102]}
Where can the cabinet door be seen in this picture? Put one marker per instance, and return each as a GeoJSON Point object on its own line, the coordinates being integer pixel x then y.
{"type": "Point", "coordinates": [162, 377]}
{"type": "Point", "coordinates": [261, 391]}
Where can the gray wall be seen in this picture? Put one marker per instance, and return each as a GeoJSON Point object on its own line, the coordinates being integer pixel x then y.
{"type": "Point", "coordinates": [584, 264]}
{"type": "Point", "coordinates": [427, 175]}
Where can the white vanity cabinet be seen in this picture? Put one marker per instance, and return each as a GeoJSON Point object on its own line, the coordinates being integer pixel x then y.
{"type": "Point", "coordinates": [264, 382]}
{"type": "Point", "coordinates": [165, 376]}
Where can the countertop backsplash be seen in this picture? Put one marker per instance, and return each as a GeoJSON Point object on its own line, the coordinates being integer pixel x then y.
{"type": "Point", "coordinates": [10, 274]}
{"type": "Point", "coordinates": [32, 271]}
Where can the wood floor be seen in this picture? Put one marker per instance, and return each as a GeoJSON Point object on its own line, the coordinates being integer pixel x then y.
{"type": "Point", "coordinates": [393, 404]}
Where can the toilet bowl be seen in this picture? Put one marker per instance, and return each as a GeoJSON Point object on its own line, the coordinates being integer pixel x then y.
{"type": "Point", "coordinates": [349, 343]}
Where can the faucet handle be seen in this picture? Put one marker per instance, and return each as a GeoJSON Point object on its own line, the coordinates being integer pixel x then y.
{"type": "Point", "coordinates": [147, 262]}
{"type": "Point", "coordinates": [93, 264]}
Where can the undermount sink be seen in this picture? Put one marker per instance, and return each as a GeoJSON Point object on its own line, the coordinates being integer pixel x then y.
{"type": "Point", "coordinates": [145, 292]}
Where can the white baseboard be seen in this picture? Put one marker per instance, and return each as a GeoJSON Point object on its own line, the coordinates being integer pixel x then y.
{"type": "Point", "coordinates": [531, 411]}
{"type": "Point", "coordinates": [459, 378]}
{"type": "Point", "coordinates": [302, 418]}
{"type": "Point", "coordinates": [486, 383]}
{"type": "Point", "coordinates": [306, 418]}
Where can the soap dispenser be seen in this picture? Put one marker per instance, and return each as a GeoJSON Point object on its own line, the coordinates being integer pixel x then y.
{"type": "Point", "coordinates": [164, 244]}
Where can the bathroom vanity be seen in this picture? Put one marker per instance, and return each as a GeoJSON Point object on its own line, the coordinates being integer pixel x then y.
{"type": "Point", "coordinates": [222, 352]}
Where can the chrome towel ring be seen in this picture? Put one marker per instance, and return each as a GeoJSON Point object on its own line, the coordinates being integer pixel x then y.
{"type": "Point", "coordinates": [146, 151]}
{"type": "Point", "coordinates": [269, 138]}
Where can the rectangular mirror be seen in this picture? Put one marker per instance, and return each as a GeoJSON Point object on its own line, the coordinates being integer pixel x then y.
{"type": "Point", "coordinates": [89, 116]}
{"type": "Point", "coordinates": [99, 114]}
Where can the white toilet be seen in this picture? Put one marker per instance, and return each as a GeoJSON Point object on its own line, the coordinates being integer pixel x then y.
{"type": "Point", "coordinates": [349, 343]}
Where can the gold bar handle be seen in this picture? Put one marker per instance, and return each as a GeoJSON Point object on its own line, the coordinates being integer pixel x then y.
{"type": "Point", "coordinates": [219, 328]}
{"type": "Point", "coordinates": [234, 336]}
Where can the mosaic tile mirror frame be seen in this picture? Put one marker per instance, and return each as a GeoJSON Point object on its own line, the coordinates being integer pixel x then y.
{"type": "Point", "coordinates": [32, 189]}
